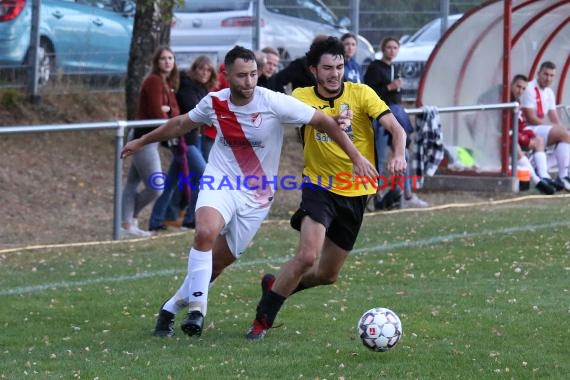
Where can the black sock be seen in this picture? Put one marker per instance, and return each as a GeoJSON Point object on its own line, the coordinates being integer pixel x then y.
{"type": "Point", "coordinates": [269, 306]}
{"type": "Point", "coordinates": [300, 288]}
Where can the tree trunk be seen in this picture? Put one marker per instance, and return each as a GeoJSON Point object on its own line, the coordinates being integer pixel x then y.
{"type": "Point", "coordinates": [150, 30]}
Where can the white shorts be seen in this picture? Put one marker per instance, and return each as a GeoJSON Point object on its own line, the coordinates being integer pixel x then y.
{"type": "Point", "coordinates": [541, 130]}
{"type": "Point", "coordinates": [242, 220]}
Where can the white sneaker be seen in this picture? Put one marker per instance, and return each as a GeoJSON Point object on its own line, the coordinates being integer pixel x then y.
{"type": "Point", "coordinates": [134, 231]}
{"type": "Point", "coordinates": [413, 202]}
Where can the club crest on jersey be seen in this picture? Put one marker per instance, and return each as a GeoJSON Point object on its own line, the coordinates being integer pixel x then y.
{"type": "Point", "coordinates": [256, 119]}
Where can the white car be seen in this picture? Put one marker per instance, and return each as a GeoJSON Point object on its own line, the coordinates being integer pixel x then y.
{"type": "Point", "coordinates": [414, 53]}
{"type": "Point", "coordinates": [212, 27]}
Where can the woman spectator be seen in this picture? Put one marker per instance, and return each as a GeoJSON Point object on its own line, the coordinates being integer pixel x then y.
{"type": "Point", "coordinates": [157, 100]}
{"type": "Point", "coordinates": [352, 70]}
{"type": "Point", "coordinates": [383, 77]}
{"type": "Point", "coordinates": [194, 85]}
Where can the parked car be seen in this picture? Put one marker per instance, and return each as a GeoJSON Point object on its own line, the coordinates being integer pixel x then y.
{"type": "Point", "coordinates": [414, 53]}
{"type": "Point", "coordinates": [213, 27]}
{"type": "Point", "coordinates": [90, 36]}
{"type": "Point", "coordinates": [93, 36]}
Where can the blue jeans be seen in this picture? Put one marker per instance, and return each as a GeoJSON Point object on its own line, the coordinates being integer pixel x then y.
{"type": "Point", "coordinates": [168, 205]}
{"type": "Point", "coordinates": [197, 165]}
{"type": "Point", "coordinates": [381, 142]}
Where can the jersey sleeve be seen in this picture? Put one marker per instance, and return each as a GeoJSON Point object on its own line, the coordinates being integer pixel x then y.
{"type": "Point", "coordinates": [375, 106]}
{"type": "Point", "coordinates": [290, 110]}
{"type": "Point", "coordinates": [528, 99]}
{"type": "Point", "coordinates": [203, 112]}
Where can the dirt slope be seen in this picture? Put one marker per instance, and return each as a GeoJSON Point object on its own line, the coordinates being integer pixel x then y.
{"type": "Point", "coordinates": [58, 187]}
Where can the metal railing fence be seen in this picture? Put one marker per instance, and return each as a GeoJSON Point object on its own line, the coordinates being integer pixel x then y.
{"type": "Point", "coordinates": [120, 125]}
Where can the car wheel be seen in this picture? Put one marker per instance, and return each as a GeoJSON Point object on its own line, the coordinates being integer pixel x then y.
{"type": "Point", "coordinates": [46, 62]}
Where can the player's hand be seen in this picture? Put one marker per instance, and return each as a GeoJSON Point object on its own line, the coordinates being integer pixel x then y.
{"type": "Point", "coordinates": [396, 165]}
{"type": "Point", "coordinates": [361, 167]}
{"type": "Point", "coordinates": [395, 85]}
{"type": "Point", "coordinates": [131, 148]}
{"type": "Point", "coordinates": [344, 119]}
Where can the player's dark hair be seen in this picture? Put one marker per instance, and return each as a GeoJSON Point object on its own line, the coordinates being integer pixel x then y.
{"type": "Point", "coordinates": [331, 45]}
{"type": "Point", "coordinates": [547, 65]}
{"type": "Point", "coordinates": [238, 52]}
{"type": "Point", "coordinates": [519, 77]}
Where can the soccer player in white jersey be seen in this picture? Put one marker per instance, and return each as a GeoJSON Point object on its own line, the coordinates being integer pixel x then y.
{"type": "Point", "coordinates": [538, 105]}
{"type": "Point", "coordinates": [249, 121]}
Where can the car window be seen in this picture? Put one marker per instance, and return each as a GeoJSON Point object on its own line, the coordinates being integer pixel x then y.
{"type": "Point", "coordinates": [210, 6]}
{"type": "Point", "coordinates": [430, 32]}
{"type": "Point", "coordinates": [311, 10]}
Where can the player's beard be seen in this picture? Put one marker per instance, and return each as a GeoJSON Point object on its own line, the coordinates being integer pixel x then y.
{"type": "Point", "coordinates": [241, 96]}
{"type": "Point", "coordinates": [330, 91]}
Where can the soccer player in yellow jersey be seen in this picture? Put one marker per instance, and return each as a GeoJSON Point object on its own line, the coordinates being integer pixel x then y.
{"type": "Point", "coordinates": [329, 217]}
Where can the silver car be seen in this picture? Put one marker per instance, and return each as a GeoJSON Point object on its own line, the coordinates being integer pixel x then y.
{"type": "Point", "coordinates": [414, 53]}
{"type": "Point", "coordinates": [213, 27]}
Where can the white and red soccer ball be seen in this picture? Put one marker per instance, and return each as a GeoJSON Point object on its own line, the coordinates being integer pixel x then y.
{"type": "Point", "coordinates": [379, 329]}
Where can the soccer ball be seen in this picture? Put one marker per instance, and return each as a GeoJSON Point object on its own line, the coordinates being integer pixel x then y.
{"type": "Point", "coordinates": [379, 329]}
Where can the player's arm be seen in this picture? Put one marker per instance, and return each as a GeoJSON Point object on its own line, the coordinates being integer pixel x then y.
{"type": "Point", "coordinates": [531, 117]}
{"type": "Point", "coordinates": [397, 164]}
{"type": "Point", "coordinates": [177, 126]}
{"type": "Point", "coordinates": [553, 117]}
{"type": "Point", "coordinates": [331, 127]}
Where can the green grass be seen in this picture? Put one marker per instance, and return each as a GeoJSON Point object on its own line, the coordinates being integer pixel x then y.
{"type": "Point", "coordinates": [482, 293]}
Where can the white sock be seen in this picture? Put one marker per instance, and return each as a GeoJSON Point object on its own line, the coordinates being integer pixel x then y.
{"type": "Point", "coordinates": [180, 298]}
{"type": "Point", "coordinates": [524, 162]}
{"type": "Point", "coordinates": [562, 154]}
{"type": "Point", "coordinates": [200, 272]}
{"type": "Point", "coordinates": [541, 165]}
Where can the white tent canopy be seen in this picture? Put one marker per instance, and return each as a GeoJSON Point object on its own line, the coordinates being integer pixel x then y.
{"type": "Point", "coordinates": [467, 68]}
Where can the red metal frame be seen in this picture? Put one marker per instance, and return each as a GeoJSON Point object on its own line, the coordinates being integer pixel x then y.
{"type": "Point", "coordinates": [542, 49]}
{"type": "Point", "coordinates": [508, 43]}
{"type": "Point", "coordinates": [562, 81]}
{"type": "Point", "coordinates": [534, 19]}
{"type": "Point", "coordinates": [506, 114]}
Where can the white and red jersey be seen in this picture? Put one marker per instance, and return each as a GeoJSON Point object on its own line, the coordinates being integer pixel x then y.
{"type": "Point", "coordinates": [541, 100]}
{"type": "Point", "coordinates": [249, 139]}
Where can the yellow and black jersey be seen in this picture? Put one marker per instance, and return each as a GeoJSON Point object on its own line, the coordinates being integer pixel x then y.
{"type": "Point", "coordinates": [326, 163]}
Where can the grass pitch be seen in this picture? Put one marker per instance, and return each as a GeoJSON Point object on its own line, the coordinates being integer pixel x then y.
{"type": "Point", "coordinates": [482, 292]}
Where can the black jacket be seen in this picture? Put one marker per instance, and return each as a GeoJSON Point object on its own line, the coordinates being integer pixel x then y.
{"type": "Point", "coordinates": [378, 76]}
{"type": "Point", "coordinates": [188, 96]}
{"type": "Point", "coordinates": [297, 73]}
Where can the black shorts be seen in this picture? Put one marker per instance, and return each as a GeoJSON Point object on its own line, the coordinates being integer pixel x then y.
{"type": "Point", "coordinates": [342, 216]}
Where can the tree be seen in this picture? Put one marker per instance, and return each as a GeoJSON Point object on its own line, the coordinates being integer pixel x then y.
{"type": "Point", "coordinates": [151, 29]}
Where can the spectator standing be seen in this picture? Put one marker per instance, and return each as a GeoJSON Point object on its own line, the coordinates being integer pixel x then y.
{"type": "Point", "coordinates": [352, 70]}
{"type": "Point", "coordinates": [157, 100]}
{"type": "Point", "coordinates": [267, 78]}
{"type": "Point", "coordinates": [384, 78]}
{"type": "Point", "coordinates": [194, 85]}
